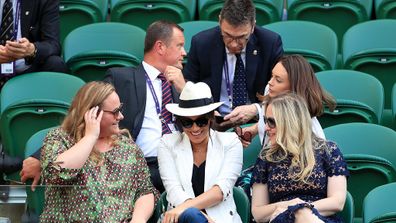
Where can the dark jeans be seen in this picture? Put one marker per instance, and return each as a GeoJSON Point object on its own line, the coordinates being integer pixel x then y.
{"type": "Point", "coordinates": [192, 215]}
{"type": "Point", "coordinates": [155, 177]}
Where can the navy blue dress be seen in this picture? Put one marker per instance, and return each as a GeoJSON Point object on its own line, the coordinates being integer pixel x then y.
{"type": "Point", "coordinates": [329, 162]}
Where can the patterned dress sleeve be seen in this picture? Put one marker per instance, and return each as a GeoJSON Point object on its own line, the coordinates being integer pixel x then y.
{"type": "Point", "coordinates": [335, 164]}
{"type": "Point", "coordinates": [54, 144]}
{"type": "Point", "coordinates": [260, 172]}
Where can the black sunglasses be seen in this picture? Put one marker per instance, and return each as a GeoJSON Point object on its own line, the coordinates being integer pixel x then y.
{"type": "Point", "coordinates": [117, 111]}
{"type": "Point", "coordinates": [247, 136]}
{"type": "Point", "coordinates": [270, 122]}
{"type": "Point", "coordinates": [188, 123]}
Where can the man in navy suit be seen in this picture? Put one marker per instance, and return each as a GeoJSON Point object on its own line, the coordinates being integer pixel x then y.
{"type": "Point", "coordinates": [212, 58]}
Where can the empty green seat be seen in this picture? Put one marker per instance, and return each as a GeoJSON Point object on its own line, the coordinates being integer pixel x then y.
{"type": "Point", "coordinates": [316, 42]}
{"type": "Point", "coordinates": [355, 103]}
{"type": "Point", "coordinates": [144, 12]}
{"type": "Point", "coordinates": [90, 50]}
{"type": "Point", "coordinates": [76, 13]}
{"type": "Point", "coordinates": [394, 105]}
{"type": "Point", "coordinates": [339, 15]}
{"type": "Point", "coordinates": [267, 11]}
{"type": "Point", "coordinates": [385, 9]}
{"type": "Point", "coordinates": [380, 205]}
{"type": "Point", "coordinates": [370, 47]}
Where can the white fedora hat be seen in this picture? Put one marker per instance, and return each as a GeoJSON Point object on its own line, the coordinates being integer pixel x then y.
{"type": "Point", "coordinates": [195, 99]}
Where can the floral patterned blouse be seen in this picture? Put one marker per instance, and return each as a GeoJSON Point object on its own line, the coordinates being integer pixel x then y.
{"type": "Point", "coordinates": [105, 193]}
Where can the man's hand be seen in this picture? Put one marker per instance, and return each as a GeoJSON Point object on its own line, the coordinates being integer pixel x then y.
{"type": "Point", "coordinates": [4, 57]}
{"type": "Point", "coordinates": [240, 115]}
{"type": "Point", "coordinates": [175, 76]}
{"type": "Point", "coordinates": [31, 170]}
{"type": "Point", "coordinates": [20, 49]}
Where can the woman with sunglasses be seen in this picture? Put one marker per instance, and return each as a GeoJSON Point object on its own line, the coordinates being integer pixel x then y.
{"type": "Point", "coordinates": [199, 166]}
{"type": "Point", "coordinates": [294, 74]}
{"type": "Point", "coordinates": [298, 176]}
{"type": "Point", "coordinates": [92, 169]}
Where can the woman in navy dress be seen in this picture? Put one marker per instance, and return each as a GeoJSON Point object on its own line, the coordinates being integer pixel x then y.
{"type": "Point", "coordinates": [298, 177]}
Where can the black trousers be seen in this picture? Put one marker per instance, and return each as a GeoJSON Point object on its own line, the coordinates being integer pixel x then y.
{"type": "Point", "coordinates": [155, 177]}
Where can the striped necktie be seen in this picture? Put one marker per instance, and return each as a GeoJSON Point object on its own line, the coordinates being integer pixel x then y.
{"type": "Point", "coordinates": [7, 23]}
{"type": "Point", "coordinates": [239, 92]}
{"type": "Point", "coordinates": [166, 98]}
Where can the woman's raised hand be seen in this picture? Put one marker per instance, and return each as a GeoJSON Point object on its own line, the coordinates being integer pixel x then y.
{"type": "Point", "coordinates": [92, 121]}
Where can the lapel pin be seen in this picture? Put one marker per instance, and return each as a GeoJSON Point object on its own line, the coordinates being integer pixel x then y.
{"type": "Point", "coordinates": [255, 52]}
{"type": "Point", "coordinates": [27, 13]}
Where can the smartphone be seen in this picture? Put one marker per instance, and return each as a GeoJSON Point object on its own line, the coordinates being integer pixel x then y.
{"type": "Point", "coordinates": [219, 119]}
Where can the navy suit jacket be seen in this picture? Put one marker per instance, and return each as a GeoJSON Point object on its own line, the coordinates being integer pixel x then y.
{"type": "Point", "coordinates": [130, 85]}
{"type": "Point", "coordinates": [207, 55]}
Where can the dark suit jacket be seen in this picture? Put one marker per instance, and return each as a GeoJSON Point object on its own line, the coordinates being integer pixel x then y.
{"type": "Point", "coordinates": [130, 85]}
{"type": "Point", "coordinates": [40, 25]}
{"type": "Point", "coordinates": [207, 55]}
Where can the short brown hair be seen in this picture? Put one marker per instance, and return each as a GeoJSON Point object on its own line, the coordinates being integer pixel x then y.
{"type": "Point", "coordinates": [238, 12]}
{"type": "Point", "coordinates": [159, 30]}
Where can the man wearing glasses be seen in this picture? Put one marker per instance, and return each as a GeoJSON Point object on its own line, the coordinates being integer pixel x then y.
{"type": "Point", "coordinates": [235, 59]}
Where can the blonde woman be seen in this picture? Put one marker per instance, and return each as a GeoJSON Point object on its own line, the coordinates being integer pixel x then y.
{"type": "Point", "coordinates": [93, 172]}
{"type": "Point", "coordinates": [298, 176]}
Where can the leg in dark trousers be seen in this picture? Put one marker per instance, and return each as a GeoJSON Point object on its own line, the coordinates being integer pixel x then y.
{"type": "Point", "coordinates": [192, 215]}
{"type": "Point", "coordinates": [155, 177]}
{"type": "Point", "coordinates": [52, 64]}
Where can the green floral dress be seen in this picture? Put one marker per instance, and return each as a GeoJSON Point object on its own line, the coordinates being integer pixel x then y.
{"type": "Point", "coordinates": [105, 193]}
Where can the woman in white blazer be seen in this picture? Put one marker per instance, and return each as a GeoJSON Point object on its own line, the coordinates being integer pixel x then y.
{"type": "Point", "coordinates": [199, 167]}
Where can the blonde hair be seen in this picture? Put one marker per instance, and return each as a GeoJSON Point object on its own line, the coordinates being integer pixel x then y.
{"type": "Point", "coordinates": [294, 136]}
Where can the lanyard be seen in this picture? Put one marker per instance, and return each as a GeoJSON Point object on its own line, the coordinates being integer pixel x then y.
{"type": "Point", "coordinates": [156, 101]}
{"type": "Point", "coordinates": [227, 79]}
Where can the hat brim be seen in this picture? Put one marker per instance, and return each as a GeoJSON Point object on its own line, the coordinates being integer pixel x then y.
{"type": "Point", "coordinates": [176, 110]}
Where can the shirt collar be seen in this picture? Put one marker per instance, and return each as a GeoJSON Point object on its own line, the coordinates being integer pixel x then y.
{"type": "Point", "coordinates": [151, 71]}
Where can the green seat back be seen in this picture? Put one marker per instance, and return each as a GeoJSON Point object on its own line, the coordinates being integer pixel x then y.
{"type": "Point", "coordinates": [76, 13]}
{"type": "Point", "coordinates": [144, 12]}
{"type": "Point", "coordinates": [370, 153]}
{"type": "Point", "coordinates": [241, 201]}
{"type": "Point", "coordinates": [193, 27]}
{"type": "Point", "coordinates": [339, 15]}
{"type": "Point", "coordinates": [267, 11]}
{"type": "Point", "coordinates": [394, 105]}
{"type": "Point", "coordinates": [32, 102]}
{"type": "Point", "coordinates": [385, 9]}
{"type": "Point", "coordinates": [380, 205]}
{"type": "Point", "coordinates": [316, 42]}
{"type": "Point", "coordinates": [354, 102]}
{"type": "Point", "coordinates": [35, 199]}
{"type": "Point", "coordinates": [348, 211]}
{"type": "Point", "coordinates": [374, 54]}
{"type": "Point", "coordinates": [91, 49]}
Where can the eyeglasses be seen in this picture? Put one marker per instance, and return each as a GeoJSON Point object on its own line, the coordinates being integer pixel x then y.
{"type": "Point", "coordinates": [239, 39]}
{"type": "Point", "coordinates": [116, 112]}
{"type": "Point", "coordinates": [270, 122]}
{"type": "Point", "coordinates": [188, 123]}
{"type": "Point", "coordinates": [247, 136]}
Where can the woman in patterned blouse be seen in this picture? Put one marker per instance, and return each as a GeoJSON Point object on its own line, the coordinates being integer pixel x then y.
{"type": "Point", "coordinates": [93, 171]}
{"type": "Point", "coordinates": [298, 177]}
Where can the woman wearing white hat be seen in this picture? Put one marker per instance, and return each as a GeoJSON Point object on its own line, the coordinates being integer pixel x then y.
{"type": "Point", "coordinates": [199, 167]}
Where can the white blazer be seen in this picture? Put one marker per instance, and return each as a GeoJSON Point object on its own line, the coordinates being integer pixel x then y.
{"type": "Point", "coordinates": [223, 165]}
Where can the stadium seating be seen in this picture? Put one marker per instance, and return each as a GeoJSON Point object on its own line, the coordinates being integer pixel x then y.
{"type": "Point", "coordinates": [143, 12]}
{"type": "Point", "coordinates": [380, 205]}
{"type": "Point", "coordinates": [32, 102]}
{"type": "Point", "coordinates": [348, 211]}
{"type": "Point", "coordinates": [316, 42]}
{"type": "Point", "coordinates": [339, 15]}
{"type": "Point", "coordinates": [369, 150]}
{"type": "Point", "coordinates": [355, 103]}
{"type": "Point", "coordinates": [91, 49]}
{"type": "Point", "coordinates": [370, 47]}
{"type": "Point", "coordinates": [385, 9]}
{"type": "Point", "coordinates": [76, 13]}
{"type": "Point", "coordinates": [267, 11]}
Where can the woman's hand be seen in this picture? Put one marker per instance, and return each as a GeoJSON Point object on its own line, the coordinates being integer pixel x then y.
{"type": "Point", "coordinates": [92, 122]}
{"type": "Point", "coordinates": [283, 205]}
{"type": "Point", "coordinates": [172, 216]}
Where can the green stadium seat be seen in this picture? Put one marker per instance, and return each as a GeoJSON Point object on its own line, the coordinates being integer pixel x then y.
{"type": "Point", "coordinates": [354, 102]}
{"type": "Point", "coordinates": [385, 9]}
{"type": "Point", "coordinates": [339, 15]}
{"type": "Point", "coordinates": [144, 12]}
{"type": "Point", "coordinates": [369, 151]}
{"type": "Point", "coordinates": [267, 11]}
{"type": "Point", "coordinates": [32, 102]}
{"type": "Point", "coordinates": [348, 211]}
{"type": "Point", "coordinates": [76, 13]}
{"type": "Point", "coordinates": [394, 105]}
{"type": "Point", "coordinates": [316, 42]}
{"type": "Point", "coordinates": [380, 205]}
{"type": "Point", "coordinates": [91, 49]}
{"type": "Point", "coordinates": [370, 47]}
{"type": "Point", "coordinates": [193, 27]}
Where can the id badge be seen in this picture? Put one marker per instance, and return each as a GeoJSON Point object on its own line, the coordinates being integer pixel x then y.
{"type": "Point", "coordinates": [172, 127]}
{"type": "Point", "coordinates": [7, 68]}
